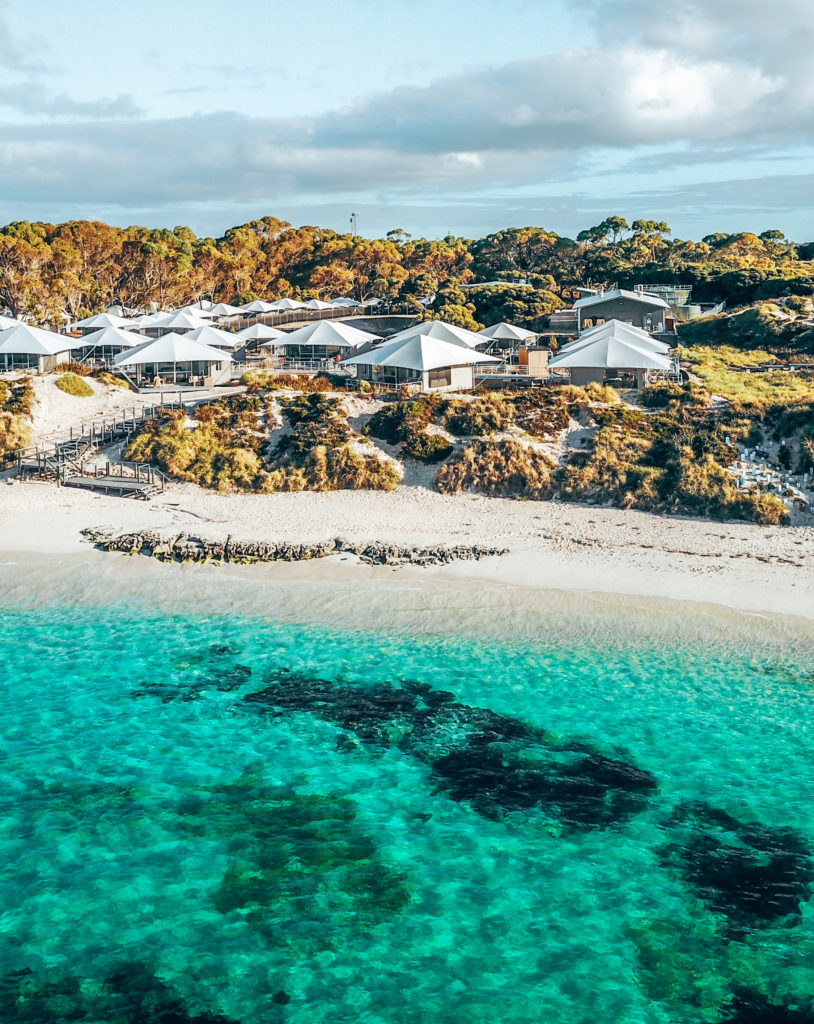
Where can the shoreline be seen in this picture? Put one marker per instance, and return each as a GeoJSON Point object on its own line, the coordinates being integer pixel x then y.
{"type": "Point", "coordinates": [550, 546]}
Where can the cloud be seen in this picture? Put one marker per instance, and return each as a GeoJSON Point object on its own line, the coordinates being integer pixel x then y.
{"type": "Point", "coordinates": [32, 99]}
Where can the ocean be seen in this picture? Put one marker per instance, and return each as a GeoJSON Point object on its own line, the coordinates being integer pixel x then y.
{"type": "Point", "coordinates": [230, 797]}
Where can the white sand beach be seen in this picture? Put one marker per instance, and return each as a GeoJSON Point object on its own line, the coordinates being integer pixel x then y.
{"type": "Point", "coordinates": [550, 545]}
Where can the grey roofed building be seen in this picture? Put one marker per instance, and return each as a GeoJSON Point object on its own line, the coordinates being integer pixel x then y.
{"type": "Point", "coordinates": [637, 308]}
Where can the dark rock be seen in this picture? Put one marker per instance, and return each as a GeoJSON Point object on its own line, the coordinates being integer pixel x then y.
{"type": "Point", "coordinates": [281, 998]}
{"type": "Point", "coordinates": [493, 762]}
{"type": "Point", "coordinates": [750, 872]}
{"type": "Point", "coordinates": [753, 1008]}
{"type": "Point", "coordinates": [190, 548]}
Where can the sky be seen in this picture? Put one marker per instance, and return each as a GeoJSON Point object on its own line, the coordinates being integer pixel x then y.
{"type": "Point", "coordinates": [434, 116]}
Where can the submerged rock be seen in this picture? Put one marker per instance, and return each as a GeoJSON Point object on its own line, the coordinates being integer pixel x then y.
{"type": "Point", "coordinates": [496, 764]}
{"type": "Point", "coordinates": [750, 872]}
{"type": "Point", "coordinates": [753, 1008]}
{"type": "Point", "coordinates": [131, 994]}
{"type": "Point", "coordinates": [190, 548]}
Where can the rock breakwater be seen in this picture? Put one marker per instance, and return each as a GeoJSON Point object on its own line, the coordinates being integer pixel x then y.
{"type": "Point", "coordinates": [186, 547]}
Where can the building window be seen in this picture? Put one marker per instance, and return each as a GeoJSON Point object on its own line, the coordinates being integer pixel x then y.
{"type": "Point", "coordinates": [441, 378]}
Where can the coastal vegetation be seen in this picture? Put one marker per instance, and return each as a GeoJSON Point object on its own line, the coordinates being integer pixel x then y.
{"type": "Point", "coordinates": [72, 384]}
{"type": "Point", "coordinates": [519, 274]}
{"type": "Point", "coordinates": [669, 453]}
{"type": "Point", "coordinates": [16, 403]}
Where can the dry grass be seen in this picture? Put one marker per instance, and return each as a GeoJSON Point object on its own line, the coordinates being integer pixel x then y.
{"type": "Point", "coordinates": [505, 469]}
{"type": "Point", "coordinates": [73, 384]}
{"type": "Point", "coordinates": [717, 368]}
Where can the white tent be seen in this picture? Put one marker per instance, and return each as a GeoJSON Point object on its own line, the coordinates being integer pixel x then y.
{"type": "Point", "coordinates": [257, 307]}
{"type": "Point", "coordinates": [442, 331]}
{"type": "Point", "coordinates": [261, 333]}
{"type": "Point", "coordinates": [438, 364]}
{"type": "Point", "coordinates": [7, 321]}
{"type": "Point", "coordinates": [106, 338]}
{"type": "Point", "coordinates": [175, 322]}
{"type": "Point", "coordinates": [591, 361]}
{"type": "Point", "coordinates": [281, 305]}
{"type": "Point", "coordinates": [146, 319]}
{"type": "Point", "coordinates": [166, 354]}
{"type": "Point", "coordinates": [215, 338]}
{"type": "Point", "coordinates": [327, 333]}
{"type": "Point", "coordinates": [342, 301]}
{"type": "Point", "coordinates": [318, 304]}
{"type": "Point", "coordinates": [101, 320]}
{"type": "Point", "coordinates": [26, 346]}
{"type": "Point", "coordinates": [624, 332]}
{"type": "Point", "coordinates": [203, 313]}
{"type": "Point", "coordinates": [506, 332]}
{"type": "Point", "coordinates": [221, 309]}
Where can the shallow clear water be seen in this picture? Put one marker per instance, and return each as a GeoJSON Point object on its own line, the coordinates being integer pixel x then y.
{"type": "Point", "coordinates": [270, 863]}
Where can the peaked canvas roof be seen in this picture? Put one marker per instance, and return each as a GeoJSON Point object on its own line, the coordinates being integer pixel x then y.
{"type": "Point", "coordinates": [617, 329]}
{"type": "Point", "coordinates": [260, 332]}
{"type": "Point", "coordinates": [286, 304]}
{"type": "Point", "coordinates": [328, 332]}
{"type": "Point", "coordinates": [343, 301]}
{"type": "Point", "coordinates": [23, 339]}
{"type": "Point", "coordinates": [7, 321]}
{"type": "Point", "coordinates": [215, 337]}
{"type": "Point", "coordinates": [654, 301]}
{"type": "Point", "coordinates": [259, 306]}
{"type": "Point", "coordinates": [610, 352]}
{"type": "Point", "coordinates": [318, 304]}
{"type": "Point", "coordinates": [100, 320]}
{"type": "Point", "coordinates": [442, 331]}
{"type": "Point", "coordinates": [203, 313]}
{"type": "Point", "coordinates": [506, 332]}
{"type": "Point", "coordinates": [224, 309]}
{"type": "Point", "coordinates": [113, 337]}
{"type": "Point", "coordinates": [172, 321]}
{"type": "Point", "coordinates": [419, 352]}
{"type": "Point", "coordinates": [171, 348]}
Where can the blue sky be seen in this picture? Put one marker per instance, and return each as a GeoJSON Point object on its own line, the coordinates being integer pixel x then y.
{"type": "Point", "coordinates": [436, 117]}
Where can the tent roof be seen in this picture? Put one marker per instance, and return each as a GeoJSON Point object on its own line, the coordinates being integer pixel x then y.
{"type": "Point", "coordinates": [259, 306]}
{"type": "Point", "coordinates": [195, 310]}
{"type": "Point", "coordinates": [215, 337]}
{"type": "Point", "coordinates": [286, 304]}
{"type": "Point", "coordinates": [506, 332]}
{"type": "Point", "coordinates": [8, 321]}
{"type": "Point", "coordinates": [104, 320]}
{"type": "Point", "coordinates": [419, 352]}
{"type": "Point", "coordinates": [225, 309]}
{"type": "Point", "coordinates": [112, 336]}
{"type": "Point", "coordinates": [654, 301]}
{"type": "Point", "coordinates": [171, 348]}
{"type": "Point", "coordinates": [172, 321]}
{"type": "Point", "coordinates": [328, 332]}
{"type": "Point", "coordinates": [617, 329]}
{"type": "Point", "coordinates": [609, 352]}
{"type": "Point", "coordinates": [23, 339]}
{"type": "Point", "coordinates": [318, 304]}
{"type": "Point", "coordinates": [442, 331]}
{"type": "Point", "coordinates": [260, 332]}
{"type": "Point", "coordinates": [342, 301]}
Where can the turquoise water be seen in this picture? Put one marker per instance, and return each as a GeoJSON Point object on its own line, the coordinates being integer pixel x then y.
{"type": "Point", "coordinates": [334, 851]}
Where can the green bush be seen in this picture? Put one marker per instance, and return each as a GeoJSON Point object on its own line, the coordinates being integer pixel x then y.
{"type": "Point", "coordinates": [505, 469]}
{"type": "Point", "coordinates": [74, 385]}
{"type": "Point", "coordinates": [427, 447]}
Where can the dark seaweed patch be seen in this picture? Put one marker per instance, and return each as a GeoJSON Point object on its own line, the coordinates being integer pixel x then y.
{"type": "Point", "coordinates": [301, 867]}
{"type": "Point", "coordinates": [226, 680]}
{"type": "Point", "coordinates": [747, 871]}
{"type": "Point", "coordinates": [750, 1007]}
{"type": "Point", "coordinates": [493, 762]}
{"type": "Point", "coordinates": [132, 994]}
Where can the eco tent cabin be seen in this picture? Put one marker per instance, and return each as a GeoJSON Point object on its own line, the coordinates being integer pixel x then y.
{"type": "Point", "coordinates": [23, 347]}
{"type": "Point", "coordinates": [506, 336]}
{"type": "Point", "coordinates": [431, 363]}
{"type": "Point", "coordinates": [615, 328]}
{"type": "Point", "coordinates": [104, 344]}
{"type": "Point", "coordinates": [173, 323]}
{"type": "Point", "coordinates": [635, 308]}
{"type": "Point", "coordinates": [101, 320]}
{"type": "Point", "coordinates": [215, 338]}
{"type": "Point", "coordinates": [260, 335]}
{"type": "Point", "coordinates": [612, 352]}
{"type": "Point", "coordinates": [441, 331]}
{"type": "Point", "coordinates": [323, 339]}
{"type": "Point", "coordinates": [174, 359]}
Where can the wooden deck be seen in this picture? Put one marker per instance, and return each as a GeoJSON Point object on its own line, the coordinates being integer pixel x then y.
{"type": "Point", "coordinates": [124, 487]}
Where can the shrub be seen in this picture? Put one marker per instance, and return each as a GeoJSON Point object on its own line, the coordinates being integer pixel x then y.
{"type": "Point", "coordinates": [17, 397]}
{"type": "Point", "coordinates": [400, 420]}
{"type": "Point", "coordinates": [427, 447]}
{"type": "Point", "coordinates": [506, 469]}
{"type": "Point", "coordinates": [80, 369]}
{"type": "Point", "coordinates": [74, 385]}
{"type": "Point", "coordinates": [14, 433]}
{"type": "Point", "coordinates": [104, 377]}
{"type": "Point", "coordinates": [483, 415]}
